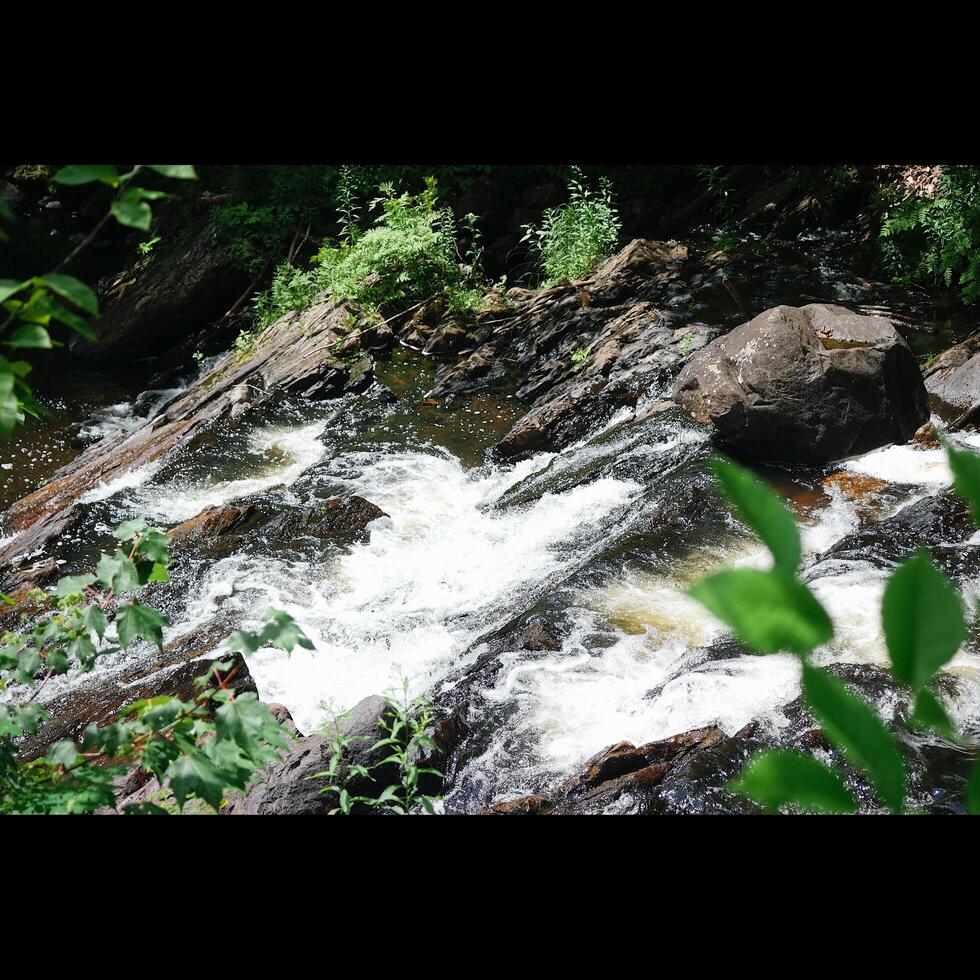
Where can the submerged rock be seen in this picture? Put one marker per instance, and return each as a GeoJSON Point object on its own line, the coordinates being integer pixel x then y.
{"type": "Point", "coordinates": [213, 522]}
{"type": "Point", "coordinates": [806, 384]}
{"type": "Point", "coordinates": [343, 519]}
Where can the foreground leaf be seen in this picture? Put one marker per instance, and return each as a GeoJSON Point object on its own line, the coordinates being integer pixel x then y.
{"type": "Point", "coordinates": [768, 611]}
{"type": "Point", "coordinates": [966, 477]}
{"type": "Point", "coordinates": [72, 289]}
{"type": "Point", "coordinates": [136, 619]}
{"type": "Point", "coordinates": [780, 777]}
{"type": "Point", "coordinates": [763, 511]}
{"type": "Point", "coordinates": [929, 714]}
{"type": "Point", "coordinates": [854, 728]}
{"type": "Point", "coordinates": [85, 173]}
{"type": "Point", "coordinates": [922, 616]}
{"type": "Point", "coordinates": [179, 171]}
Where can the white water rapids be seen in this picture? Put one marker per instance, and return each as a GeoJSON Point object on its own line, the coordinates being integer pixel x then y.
{"type": "Point", "coordinates": [447, 566]}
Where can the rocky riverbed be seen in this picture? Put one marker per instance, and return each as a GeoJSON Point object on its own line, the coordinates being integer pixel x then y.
{"type": "Point", "coordinates": [512, 526]}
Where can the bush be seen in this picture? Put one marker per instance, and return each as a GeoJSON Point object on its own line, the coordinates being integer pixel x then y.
{"type": "Point", "coordinates": [409, 256]}
{"type": "Point", "coordinates": [571, 240]}
{"type": "Point", "coordinates": [932, 235]}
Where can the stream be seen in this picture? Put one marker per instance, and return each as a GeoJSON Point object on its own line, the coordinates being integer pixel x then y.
{"type": "Point", "coordinates": [597, 542]}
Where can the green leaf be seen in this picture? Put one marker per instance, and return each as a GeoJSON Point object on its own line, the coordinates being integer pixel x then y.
{"type": "Point", "coordinates": [763, 511]}
{"type": "Point", "coordinates": [779, 777]}
{"type": "Point", "coordinates": [85, 173]}
{"type": "Point", "coordinates": [71, 584]}
{"type": "Point", "coordinates": [855, 728]}
{"type": "Point", "coordinates": [72, 289]}
{"type": "Point", "coordinates": [118, 573]}
{"type": "Point", "coordinates": [94, 619]}
{"type": "Point", "coordinates": [129, 529]}
{"type": "Point", "coordinates": [64, 753]}
{"type": "Point", "coordinates": [768, 611]}
{"type": "Point", "coordinates": [132, 212]}
{"type": "Point", "coordinates": [8, 287]}
{"type": "Point", "coordinates": [179, 171]}
{"type": "Point", "coordinates": [966, 477]}
{"type": "Point", "coordinates": [10, 411]}
{"type": "Point", "coordinates": [922, 615]}
{"type": "Point", "coordinates": [194, 774]}
{"type": "Point", "coordinates": [30, 335]}
{"type": "Point", "coordinates": [135, 619]}
{"type": "Point", "coordinates": [929, 714]}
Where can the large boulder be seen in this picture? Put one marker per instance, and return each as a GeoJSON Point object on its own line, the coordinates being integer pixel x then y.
{"type": "Point", "coordinates": [953, 381]}
{"type": "Point", "coordinates": [287, 787]}
{"type": "Point", "coordinates": [806, 385]}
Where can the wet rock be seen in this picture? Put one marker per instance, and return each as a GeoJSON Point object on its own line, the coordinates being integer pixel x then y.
{"type": "Point", "coordinates": [806, 384]}
{"type": "Point", "coordinates": [99, 698]}
{"type": "Point", "coordinates": [342, 519]}
{"type": "Point", "coordinates": [614, 316]}
{"type": "Point", "coordinates": [285, 788]}
{"type": "Point", "coordinates": [213, 522]}
{"type": "Point", "coordinates": [447, 339]}
{"type": "Point", "coordinates": [281, 713]}
{"type": "Point", "coordinates": [619, 772]}
{"type": "Point", "coordinates": [523, 806]}
{"type": "Point", "coordinates": [953, 381]}
{"type": "Point", "coordinates": [294, 355]}
{"type": "Point", "coordinates": [941, 522]}
{"type": "Point", "coordinates": [926, 436]}
{"type": "Point", "coordinates": [537, 637]}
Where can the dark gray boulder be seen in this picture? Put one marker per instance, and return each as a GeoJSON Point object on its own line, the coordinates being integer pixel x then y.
{"type": "Point", "coordinates": [286, 787]}
{"type": "Point", "coordinates": [806, 385]}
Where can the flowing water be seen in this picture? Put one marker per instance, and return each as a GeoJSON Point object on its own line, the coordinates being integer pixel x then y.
{"type": "Point", "coordinates": [598, 542]}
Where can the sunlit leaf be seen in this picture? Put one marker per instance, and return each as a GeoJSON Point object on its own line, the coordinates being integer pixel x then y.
{"type": "Point", "coordinates": [922, 616]}
{"type": "Point", "coordinates": [763, 511]}
{"type": "Point", "coordinates": [855, 728]}
{"type": "Point", "coordinates": [781, 777]}
{"type": "Point", "coordinates": [768, 611]}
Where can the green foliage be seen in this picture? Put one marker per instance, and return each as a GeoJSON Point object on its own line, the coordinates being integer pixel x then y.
{"type": "Point", "coordinates": [408, 256]}
{"type": "Point", "coordinates": [35, 306]}
{"type": "Point", "coordinates": [571, 240]}
{"type": "Point", "coordinates": [936, 241]}
{"type": "Point", "coordinates": [763, 511]}
{"type": "Point", "coordinates": [201, 748]}
{"type": "Point", "coordinates": [923, 618]}
{"type": "Point", "coordinates": [768, 611]}
{"type": "Point", "coordinates": [923, 622]}
{"type": "Point", "coordinates": [406, 723]}
{"type": "Point", "coordinates": [780, 778]}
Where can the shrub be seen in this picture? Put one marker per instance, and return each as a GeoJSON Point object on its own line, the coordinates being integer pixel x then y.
{"type": "Point", "coordinates": [409, 255]}
{"type": "Point", "coordinates": [931, 236]}
{"type": "Point", "coordinates": [571, 240]}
